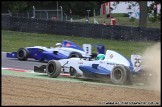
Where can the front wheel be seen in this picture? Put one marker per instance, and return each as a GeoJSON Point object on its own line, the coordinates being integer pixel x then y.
{"type": "Point", "coordinates": [53, 68]}
{"type": "Point", "coordinates": [119, 75]}
{"type": "Point", "coordinates": [22, 54]}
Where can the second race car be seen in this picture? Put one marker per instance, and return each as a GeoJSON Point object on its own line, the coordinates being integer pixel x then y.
{"type": "Point", "coordinates": [64, 50]}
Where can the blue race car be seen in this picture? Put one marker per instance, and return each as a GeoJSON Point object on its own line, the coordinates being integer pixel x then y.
{"type": "Point", "coordinates": [64, 50]}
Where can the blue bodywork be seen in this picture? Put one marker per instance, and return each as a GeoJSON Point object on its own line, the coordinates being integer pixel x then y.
{"type": "Point", "coordinates": [96, 69]}
{"type": "Point", "coordinates": [69, 44]}
{"type": "Point", "coordinates": [40, 54]}
{"type": "Point", "coordinates": [100, 48]}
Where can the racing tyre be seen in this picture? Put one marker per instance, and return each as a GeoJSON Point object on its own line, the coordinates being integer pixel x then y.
{"type": "Point", "coordinates": [53, 68]}
{"type": "Point", "coordinates": [119, 75]}
{"type": "Point", "coordinates": [41, 60]}
{"type": "Point", "coordinates": [22, 54]}
{"type": "Point", "coordinates": [75, 55]}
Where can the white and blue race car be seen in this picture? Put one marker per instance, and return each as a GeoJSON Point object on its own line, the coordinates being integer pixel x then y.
{"type": "Point", "coordinates": [64, 50]}
{"type": "Point", "coordinates": [113, 65]}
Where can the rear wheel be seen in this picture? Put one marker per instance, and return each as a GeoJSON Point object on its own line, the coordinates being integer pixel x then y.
{"type": "Point", "coordinates": [53, 68]}
{"type": "Point", "coordinates": [75, 55]}
{"type": "Point", "coordinates": [119, 75]}
{"type": "Point", "coordinates": [22, 54]}
{"type": "Point", "coordinates": [41, 60]}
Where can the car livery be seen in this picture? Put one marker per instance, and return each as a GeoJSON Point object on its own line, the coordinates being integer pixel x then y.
{"type": "Point", "coordinates": [68, 50]}
{"type": "Point", "coordinates": [116, 66]}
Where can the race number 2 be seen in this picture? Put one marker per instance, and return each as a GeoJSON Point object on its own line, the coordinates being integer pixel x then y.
{"type": "Point", "coordinates": [136, 60]}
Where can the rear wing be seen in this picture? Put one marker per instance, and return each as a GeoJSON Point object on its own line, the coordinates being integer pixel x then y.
{"type": "Point", "coordinates": [11, 54]}
{"type": "Point", "coordinates": [88, 48]}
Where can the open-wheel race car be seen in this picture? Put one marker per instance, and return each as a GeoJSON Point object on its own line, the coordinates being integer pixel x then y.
{"type": "Point", "coordinates": [64, 50]}
{"type": "Point", "coordinates": [114, 66]}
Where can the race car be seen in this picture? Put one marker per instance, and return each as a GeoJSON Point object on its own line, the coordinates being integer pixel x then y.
{"type": "Point", "coordinates": [111, 65]}
{"type": "Point", "coordinates": [64, 50]}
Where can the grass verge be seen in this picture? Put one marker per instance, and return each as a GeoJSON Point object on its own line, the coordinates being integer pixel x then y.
{"type": "Point", "coordinates": [12, 41]}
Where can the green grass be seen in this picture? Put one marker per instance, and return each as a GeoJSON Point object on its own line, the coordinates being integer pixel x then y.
{"type": "Point", "coordinates": [12, 41]}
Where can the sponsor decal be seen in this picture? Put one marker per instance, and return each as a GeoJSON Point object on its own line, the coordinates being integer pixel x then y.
{"type": "Point", "coordinates": [101, 62]}
{"type": "Point", "coordinates": [80, 62]}
{"type": "Point", "coordinates": [111, 56]}
{"type": "Point", "coordinates": [68, 45]}
{"type": "Point", "coordinates": [111, 63]}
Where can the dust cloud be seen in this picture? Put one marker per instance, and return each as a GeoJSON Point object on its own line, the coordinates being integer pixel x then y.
{"type": "Point", "coordinates": [152, 64]}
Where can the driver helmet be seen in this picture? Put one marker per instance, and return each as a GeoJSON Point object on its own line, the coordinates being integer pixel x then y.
{"type": "Point", "coordinates": [58, 45]}
{"type": "Point", "coordinates": [100, 57]}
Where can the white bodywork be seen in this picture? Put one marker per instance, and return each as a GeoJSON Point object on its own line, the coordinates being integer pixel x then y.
{"type": "Point", "coordinates": [111, 60]}
{"type": "Point", "coordinates": [87, 49]}
{"type": "Point", "coordinates": [64, 50]}
{"type": "Point", "coordinates": [136, 60]}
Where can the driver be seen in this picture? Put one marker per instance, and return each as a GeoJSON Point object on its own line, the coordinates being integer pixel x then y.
{"type": "Point", "coordinates": [100, 57]}
{"type": "Point", "coordinates": [58, 45]}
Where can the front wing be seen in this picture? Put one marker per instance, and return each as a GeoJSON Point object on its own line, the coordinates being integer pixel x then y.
{"type": "Point", "coordinates": [41, 69]}
{"type": "Point", "coordinates": [11, 55]}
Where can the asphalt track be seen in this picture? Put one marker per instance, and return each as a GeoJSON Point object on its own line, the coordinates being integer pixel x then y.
{"type": "Point", "coordinates": [15, 63]}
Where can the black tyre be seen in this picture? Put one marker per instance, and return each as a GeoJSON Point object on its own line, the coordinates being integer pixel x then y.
{"type": "Point", "coordinates": [22, 54]}
{"type": "Point", "coordinates": [53, 68]}
{"type": "Point", "coordinates": [119, 75]}
{"type": "Point", "coordinates": [75, 55]}
{"type": "Point", "coordinates": [42, 60]}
